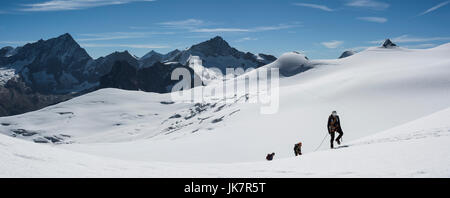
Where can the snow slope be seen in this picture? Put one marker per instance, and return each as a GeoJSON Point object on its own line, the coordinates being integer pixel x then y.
{"type": "Point", "coordinates": [374, 90]}
{"type": "Point", "coordinates": [416, 149]}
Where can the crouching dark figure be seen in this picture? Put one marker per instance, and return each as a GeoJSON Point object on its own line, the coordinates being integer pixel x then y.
{"type": "Point", "coordinates": [298, 149]}
{"type": "Point", "coordinates": [270, 156]}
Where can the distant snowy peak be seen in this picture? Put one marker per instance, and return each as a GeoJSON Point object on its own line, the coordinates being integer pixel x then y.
{"type": "Point", "coordinates": [389, 44]}
{"type": "Point", "coordinates": [290, 64]}
{"type": "Point", "coordinates": [347, 54]}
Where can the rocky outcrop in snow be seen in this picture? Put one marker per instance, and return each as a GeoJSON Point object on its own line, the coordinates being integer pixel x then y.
{"type": "Point", "coordinates": [347, 54]}
{"type": "Point", "coordinates": [389, 44]}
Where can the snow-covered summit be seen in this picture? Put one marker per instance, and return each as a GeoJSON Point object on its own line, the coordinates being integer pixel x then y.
{"type": "Point", "coordinates": [347, 53]}
{"type": "Point", "coordinates": [290, 64]}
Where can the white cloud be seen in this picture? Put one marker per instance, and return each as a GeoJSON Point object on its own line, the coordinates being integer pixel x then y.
{"type": "Point", "coordinates": [409, 39]}
{"type": "Point", "coordinates": [136, 46]}
{"type": "Point", "coordinates": [58, 5]}
{"type": "Point", "coordinates": [246, 39]}
{"type": "Point", "coordinates": [374, 19]}
{"type": "Point", "coordinates": [332, 44]}
{"type": "Point", "coordinates": [316, 6]}
{"type": "Point", "coordinates": [358, 48]}
{"type": "Point", "coordinates": [139, 28]}
{"type": "Point", "coordinates": [211, 30]}
{"type": "Point", "coordinates": [200, 26]}
{"type": "Point", "coordinates": [372, 4]}
{"type": "Point", "coordinates": [255, 29]}
{"type": "Point", "coordinates": [15, 42]}
{"type": "Point", "coordinates": [421, 46]}
{"type": "Point", "coordinates": [118, 35]}
{"type": "Point", "coordinates": [276, 27]}
{"type": "Point", "coordinates": [435, 7]}
{"type": "Point", "coordinates": [183, 24]}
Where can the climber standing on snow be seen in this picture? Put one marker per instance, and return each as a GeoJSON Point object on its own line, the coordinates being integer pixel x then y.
{"type": "Point", "coordinates": [334, 125]}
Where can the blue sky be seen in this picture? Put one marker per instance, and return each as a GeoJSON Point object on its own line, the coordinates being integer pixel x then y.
{"type": "Point", "coordinates": [319, 28]}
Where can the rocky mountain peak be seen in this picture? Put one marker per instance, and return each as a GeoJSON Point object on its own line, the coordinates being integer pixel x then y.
{"type": "Point", "coordinates": [216, 46]}
{"type": "Point", "coordinates": [216, 42]}
{"type": "Point", "coordinates": [389, 44]}
{"type": "Point", "coordinates": [150, 54]}
{"type": "Point", "coordinates": [123, 53]}
{"type": "Point", "coordinates": [65, 40]}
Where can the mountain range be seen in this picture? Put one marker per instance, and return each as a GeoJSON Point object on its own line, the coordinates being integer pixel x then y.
{"type": "Point", "coordinates": [61, 68]}
{"type": "Point", "coordinates": [50, 71]}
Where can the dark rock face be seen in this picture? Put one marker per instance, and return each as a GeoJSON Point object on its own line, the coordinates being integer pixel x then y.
{"type": "Point", "coordinates": [347, 54]}
{"type": "Point", "coordinates": [17, 98]}
{"type": "Point", "coordinates": [150, 58]}
{"type": "Point", "coordinates": [103, 65]}
{"type": "Point", "coordinates": [389, 44]}
{"type": "Point", "coordinates": [156, 78]}
{"type": "Point", "coordinates": [122, 76]}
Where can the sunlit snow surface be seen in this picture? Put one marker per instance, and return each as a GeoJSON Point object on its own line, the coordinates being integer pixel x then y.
{"type": "Point", "coordinates": [394, 106]}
